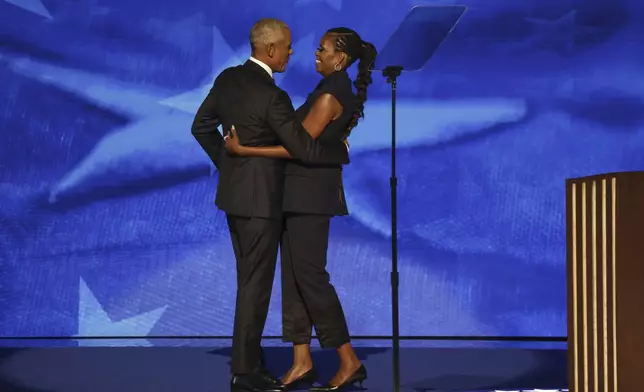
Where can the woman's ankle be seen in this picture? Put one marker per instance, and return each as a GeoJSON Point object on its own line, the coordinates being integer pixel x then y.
{"type": "Point", "coordinates": [302, 356]}
{"type": "Point", "coordinates": [348, 357]}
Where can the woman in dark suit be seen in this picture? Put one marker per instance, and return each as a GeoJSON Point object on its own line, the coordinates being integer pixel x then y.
{"type": "Point", "coordinates": [312, 196]}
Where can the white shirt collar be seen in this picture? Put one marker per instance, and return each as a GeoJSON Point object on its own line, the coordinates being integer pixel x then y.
{"type": "Point", "coordinates": [266, 67]}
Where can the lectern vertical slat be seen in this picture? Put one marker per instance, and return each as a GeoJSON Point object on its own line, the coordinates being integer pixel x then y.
{"type": "Point", "coordinates": [602, 284]}
{"type": "Point", "coordinates": [613, 275]}
{"type": "Point", "coordinates": [572, 229]}
{"type": "Point", "coordinates": [587, 286]}
{"type": "Point", "coordinates": [595, 290]}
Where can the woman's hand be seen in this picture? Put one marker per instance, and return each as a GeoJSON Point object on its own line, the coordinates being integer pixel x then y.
{"type": "Point", "coordinates": [232, 142]}
{"type": "Point", "coordinates": [234, 148]}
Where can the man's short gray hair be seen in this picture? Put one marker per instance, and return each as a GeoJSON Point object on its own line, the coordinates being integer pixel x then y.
{"type": "Point", "coordinates": [267, 31]}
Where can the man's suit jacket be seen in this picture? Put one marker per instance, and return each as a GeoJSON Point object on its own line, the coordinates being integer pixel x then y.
{"type": "Point", "coordinates": [246, 96]}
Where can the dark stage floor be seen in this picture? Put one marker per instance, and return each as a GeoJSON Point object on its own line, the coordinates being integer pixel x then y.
{"type": "Point", "coordinates": [197, 369]}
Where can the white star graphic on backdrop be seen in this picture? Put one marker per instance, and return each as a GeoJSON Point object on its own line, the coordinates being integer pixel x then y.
{"type": "Point", "coordinates": [158, 139]}
{"type": "Point", "coordinates": [35, 6]}
{"type": "Point", "coordinates": [335, 4]}
{"type": "Point", "coordinates": [93, 320]}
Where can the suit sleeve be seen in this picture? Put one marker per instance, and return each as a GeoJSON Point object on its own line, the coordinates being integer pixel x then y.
{"type": "Point", "coordinates": [281, 119]}
{"type": "Point", "coordinates": [204, 128]}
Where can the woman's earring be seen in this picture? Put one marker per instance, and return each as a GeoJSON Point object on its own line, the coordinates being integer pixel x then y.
{"type": "Point", "coordinates": [337, 67]}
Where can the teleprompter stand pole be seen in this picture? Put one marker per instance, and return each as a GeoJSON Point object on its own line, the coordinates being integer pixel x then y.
{"type": "Point", "coordinates": [391, 73]}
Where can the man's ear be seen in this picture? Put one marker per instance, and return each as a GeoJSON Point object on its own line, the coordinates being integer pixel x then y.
{"type": "Point", "coordinates": [270, 50]}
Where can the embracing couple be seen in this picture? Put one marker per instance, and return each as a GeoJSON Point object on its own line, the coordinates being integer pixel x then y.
{"type": "Point", "coordinates": [280, 183]}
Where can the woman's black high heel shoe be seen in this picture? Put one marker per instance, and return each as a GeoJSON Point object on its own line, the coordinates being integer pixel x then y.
{"type": "Point", "coordinates": [357, 377]}
{"type": "Point", "coordinates": [305, 380]}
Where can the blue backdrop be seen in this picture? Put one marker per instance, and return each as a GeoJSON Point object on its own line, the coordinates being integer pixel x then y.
{"type": "Point", "coordinates": [106, 201]}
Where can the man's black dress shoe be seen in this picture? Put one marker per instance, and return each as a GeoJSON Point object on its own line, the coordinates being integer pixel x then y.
{"type": "Point", "coordinates": [254, 382]}
{"type": "Point", "coordinates": [270, 379]}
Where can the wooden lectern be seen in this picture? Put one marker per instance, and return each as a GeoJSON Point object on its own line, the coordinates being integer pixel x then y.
{"type": "Point", "coordinates": [605, 260]}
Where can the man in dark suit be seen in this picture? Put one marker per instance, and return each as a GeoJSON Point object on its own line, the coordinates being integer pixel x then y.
{"type": "Point", "coordinates": [250, 189]}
